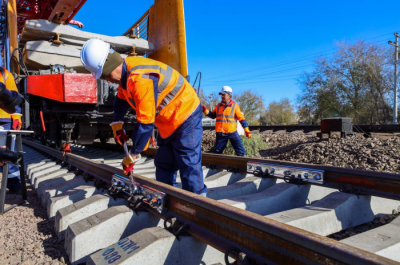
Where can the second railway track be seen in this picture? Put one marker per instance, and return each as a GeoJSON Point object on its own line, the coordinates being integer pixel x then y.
{"type": "Point", "coordinates": [257, 219]}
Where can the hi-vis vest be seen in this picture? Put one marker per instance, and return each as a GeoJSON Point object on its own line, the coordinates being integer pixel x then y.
{"type": "Point", "coordinates": [8, 80]}
{"type": "Point", "coordinates": [176, 98]}
{"type": "Point", "coordinates": [227, 116]}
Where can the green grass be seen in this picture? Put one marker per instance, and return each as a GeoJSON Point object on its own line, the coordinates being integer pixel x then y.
{"type": "Point", "coordinates": [252, 146]}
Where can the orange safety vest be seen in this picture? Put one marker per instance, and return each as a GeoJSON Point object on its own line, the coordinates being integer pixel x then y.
{"type": "Point", "coordinates": [176, 99]}
{"type": "Point", "coordinates": [227, 117]}
{"type": "Point", "coordinates": [8, 80]}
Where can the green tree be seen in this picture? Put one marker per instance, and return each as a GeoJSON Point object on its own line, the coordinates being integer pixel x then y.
{"type": "Point", "coordinates": [251, 104]}
{"type": "Point", "coordinates": [279, 113]}
{"type": "Point", "coordinates": [354, 82]}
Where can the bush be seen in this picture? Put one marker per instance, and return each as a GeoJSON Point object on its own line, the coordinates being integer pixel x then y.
{"type": "Point", "coordinates": [252, 146]}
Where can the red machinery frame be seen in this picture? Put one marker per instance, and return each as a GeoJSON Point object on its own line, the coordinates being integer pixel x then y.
{"type": "Point", "coordinates": [59, 11]}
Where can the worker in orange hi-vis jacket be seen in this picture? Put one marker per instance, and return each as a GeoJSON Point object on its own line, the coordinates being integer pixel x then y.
{"type": "Point", "coordinates": [227, 113]}
{"type": "Point", "coordinates": [161, 97]}
{"type": "Point", "coordinates": [10, 122]}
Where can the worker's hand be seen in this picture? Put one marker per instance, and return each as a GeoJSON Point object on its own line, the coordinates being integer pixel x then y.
{"type": "Point", "coordinates": [205, 110]}
{"type": "Point", "coordinates": [247, 132]}
{"type": "Point", "coordinates": [76, 23]}
{"type": "Point", "coordinates": [129, 162]}
{"type": "Point", "coordinates": [16, 121]}
{"type": "Point", "coordinates": [120, 136]}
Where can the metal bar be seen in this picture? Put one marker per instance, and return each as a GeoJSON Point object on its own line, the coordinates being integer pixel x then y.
{"type": "Point", "coordinates": [12, 35]}
{"type": "Point", "coordinates": [383, 128]}
{"type": "Point", "coordinates": [7, 52]}
{"type": "Point", "coordinates": [224, 226]}
{"type": "Point", "coordinates": [134, 24]}
{"type": "Point", "coordinates": [3, 188]}
{"type": "Point", "coordinates": [4, 178]}
{"type": "Point", "coordinates": [396, 64]}
{"type": "Point", "coordinates": [22, 169]}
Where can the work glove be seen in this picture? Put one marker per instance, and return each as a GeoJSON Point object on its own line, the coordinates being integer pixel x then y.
{"type": "Point", "coordinates": [16, 121]}
{"type": "Point", "coordinates": [247, 132]}
{"type": "Point", "coordinates": [120, 136]}
{"type": "Point", "coordinates": [205, 110]}
{"type": "Point", "coordinates": [128, 163]}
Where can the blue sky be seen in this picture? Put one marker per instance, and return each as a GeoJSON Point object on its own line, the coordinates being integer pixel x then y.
{"type": "Point", "coordinates": [259, 45]}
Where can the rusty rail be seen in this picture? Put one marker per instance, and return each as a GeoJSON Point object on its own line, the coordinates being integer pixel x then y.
{"type": "Point", "coordinates": [223, 226]}
{"type": "Point", "coordinates": [362, 128]}
{"type": "Point", "coordinates": [363, 182]}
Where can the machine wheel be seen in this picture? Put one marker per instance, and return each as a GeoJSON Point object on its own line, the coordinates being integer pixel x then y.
{"type": "Point", "coordinates": [104, 139]}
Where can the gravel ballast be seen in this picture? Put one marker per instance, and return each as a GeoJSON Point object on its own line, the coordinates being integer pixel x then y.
{"type": "Point", "coordinates": [355, 152]}
{"type": "Point", "coordinates": [27, 236]}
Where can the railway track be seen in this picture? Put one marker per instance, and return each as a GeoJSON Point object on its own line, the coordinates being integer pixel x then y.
{"type": "Point", "coordinates": [251, 216]}
{"type": "Point", "coordinates": [363, 128]}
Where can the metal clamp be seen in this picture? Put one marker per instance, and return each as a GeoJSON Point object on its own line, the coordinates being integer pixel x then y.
{"type": "Point", "coordinates": [177, 228]}
{"type": "Point", "coordinates": [289, 174]}
{"type": "Point", "coordinates": [243, 258]}
{"type": "Point", "coordinates": [233, 169]}
{"type": "Point", "coordinates": [148, 197]}
{"type": "Point", "coordinates": [350, 189]}
{"type": "Point", "coordinates": [57, 39]}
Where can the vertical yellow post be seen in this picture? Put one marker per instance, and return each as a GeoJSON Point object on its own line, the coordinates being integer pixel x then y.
{"type": "Point", "coordinates": [13, 32]}
{"type": "Point", "coordinates": [181, 36]}
{"type": "Point", "coordinates": [167, 32]}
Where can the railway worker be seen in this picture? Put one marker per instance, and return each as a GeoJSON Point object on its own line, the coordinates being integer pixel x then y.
{"type": "Point", "coordinates": [10, 122]}
{"type": "Point", "coordinates": [160, 96]}
{"type": "Point", "coordinates": [228, 113]}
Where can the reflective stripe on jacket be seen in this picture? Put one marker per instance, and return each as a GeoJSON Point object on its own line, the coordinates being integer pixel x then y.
{"type": "Point", "coordinates": [227, 116]}
{"type": "Point", "coordinates": [168, 106]}
{"type": "Point", "coordinates": [7, 79]}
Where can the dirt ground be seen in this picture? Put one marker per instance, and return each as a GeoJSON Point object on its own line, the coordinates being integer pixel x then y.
{"type": "Point", "coordinates": [26, 236]}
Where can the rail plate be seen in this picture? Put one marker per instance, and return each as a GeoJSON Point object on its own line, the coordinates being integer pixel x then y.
{"type": "Point", "coordinates": [288, 173]}
{"type": "Point", "coordinates": [138, 193]}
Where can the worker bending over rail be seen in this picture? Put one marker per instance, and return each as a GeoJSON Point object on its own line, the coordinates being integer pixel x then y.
{"type": "Point", "coordinates": [10, 122]}
{"type": "Point", "coordinates": [160, 96]}
{"type": "Point", "coordinates": [228, 113]}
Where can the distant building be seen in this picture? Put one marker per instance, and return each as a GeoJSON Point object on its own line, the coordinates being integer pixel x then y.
{"type": "Point", "coordinates": [208, 122]}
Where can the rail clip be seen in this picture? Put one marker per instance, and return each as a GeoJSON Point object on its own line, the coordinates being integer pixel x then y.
{"type": "Point", "coordinates": [289, 174]}
{"type": "Point", "coordinates": [138, 194]}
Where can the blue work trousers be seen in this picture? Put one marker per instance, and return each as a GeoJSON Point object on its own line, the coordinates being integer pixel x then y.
{"type": "Point", "coordinates": [13, 171]}
{"type": "Point", "coordinates": [222, 140]}
{"type": "Point", "coordinates": [182, 151]}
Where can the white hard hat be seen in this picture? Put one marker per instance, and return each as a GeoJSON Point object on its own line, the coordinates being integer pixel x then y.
{"type": "Point", "coordinates": [226, 90]}
{"type": "Point", "coordinates": [93, 56]}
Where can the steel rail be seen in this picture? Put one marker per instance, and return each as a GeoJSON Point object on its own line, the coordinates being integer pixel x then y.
{"type": "Point", "coordinates": [381, 184]}
{"type": "Point", "coordinates": [363, 182]}
{"type": "Point", "coordinates": [223, 226]}
{"type": "Point", "coordinates": [384, 128]}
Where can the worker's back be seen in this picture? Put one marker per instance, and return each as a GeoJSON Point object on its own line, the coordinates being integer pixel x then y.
{"type": "Point", "coordinates": [176, 98]}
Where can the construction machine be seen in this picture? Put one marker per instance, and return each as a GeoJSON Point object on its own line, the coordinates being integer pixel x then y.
{"type": "Point", "coordinates": [63, 102]}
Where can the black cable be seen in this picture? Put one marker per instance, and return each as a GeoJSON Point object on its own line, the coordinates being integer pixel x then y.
{"type": "Point", "coordinates": [299, 59]}
{"type": "Point", "coordinates": [19, 60]}
{"type": "Point", "coordinates": [195, 80]}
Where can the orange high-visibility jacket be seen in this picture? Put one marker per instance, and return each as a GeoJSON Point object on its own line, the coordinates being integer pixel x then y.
{"type": "Point", "coordinates": [176, 98]}
{"type": "Point", "coordinates": [7, 79]}
{"type": "Point", "coordinates": [227, 116]}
